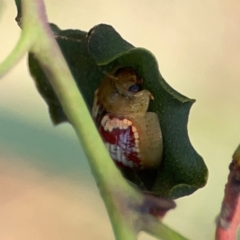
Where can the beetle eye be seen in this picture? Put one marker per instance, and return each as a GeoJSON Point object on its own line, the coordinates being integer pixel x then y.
{"type": "Point", "coordinates": [134, 88]}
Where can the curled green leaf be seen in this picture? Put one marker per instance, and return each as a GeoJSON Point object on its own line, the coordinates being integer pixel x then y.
{"type": "Point", "coordinates": [90, 56]}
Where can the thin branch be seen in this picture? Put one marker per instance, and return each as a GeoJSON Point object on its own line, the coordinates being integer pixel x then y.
{"type": "Point", "coordinates": [20, 49]}
{"type": "Point", "coordinates": [229, 219]}
{"type": "Point", "coordinates": [164, 231]}
{"type": "Point", "coordinates": [52, 62]}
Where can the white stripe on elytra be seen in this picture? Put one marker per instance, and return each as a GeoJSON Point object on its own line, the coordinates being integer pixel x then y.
{"type": "Point", "coordinates": [109, 124]}
{"type": "Point", "coordinates": [104, 120]}
{"type": "Point", "coordinates": [116, 154]}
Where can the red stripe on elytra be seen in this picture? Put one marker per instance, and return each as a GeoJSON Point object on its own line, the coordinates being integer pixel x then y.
{"type": "Point", "coordinates": [123, 138]}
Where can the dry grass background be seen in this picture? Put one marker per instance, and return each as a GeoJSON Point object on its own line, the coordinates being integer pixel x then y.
{"type": "Point", "coordinates": [46, 188]}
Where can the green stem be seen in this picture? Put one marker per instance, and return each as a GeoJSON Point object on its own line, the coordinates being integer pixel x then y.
{"type": "Point", "coordinates": [21, 48]}
{"type": "Point", "coordinates": [74, 107]}
{"type": "Point", "coordinates": [164, 231]}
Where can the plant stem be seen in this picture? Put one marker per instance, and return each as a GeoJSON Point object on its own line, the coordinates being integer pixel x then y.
{"type": "Point", "coordinates": [165, 232]}
{"type": "Point", "coordinates": [74, 107]}
{"type": "Point", "coordinates": [17, 53]}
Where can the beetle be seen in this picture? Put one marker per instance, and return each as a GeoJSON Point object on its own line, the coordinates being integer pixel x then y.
{"type": "Point", "coordinates": [131, 134]}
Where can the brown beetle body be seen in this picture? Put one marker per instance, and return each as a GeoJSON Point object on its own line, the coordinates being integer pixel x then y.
{"type": "Point", "coordinates": [131, 134]}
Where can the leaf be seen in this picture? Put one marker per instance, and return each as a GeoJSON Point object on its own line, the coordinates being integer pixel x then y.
{"type": "Point", "coordinates": [73, 44]}
{"type": "Point", "coordinates": [90, 56]}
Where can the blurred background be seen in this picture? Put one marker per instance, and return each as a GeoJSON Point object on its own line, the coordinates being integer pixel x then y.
{"type": "Point", "coordinates": [46, 188]}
